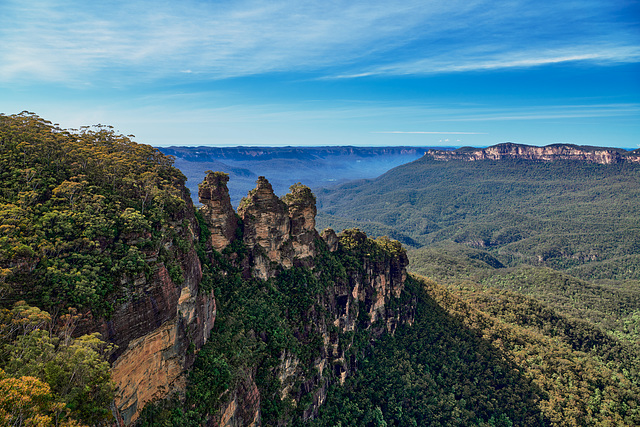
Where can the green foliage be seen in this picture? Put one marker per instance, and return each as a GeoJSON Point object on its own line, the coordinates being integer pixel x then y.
{"type": "Point", "coordinates": [260, 323]}
{"type": "Point", "coordinates": [73, 372]}
{"type": "Point", "coordinates": [80, 210]}
{"type": "Point", "coordinates": [521, 212]}
{"type": "Point", "coordinates": [609, 304]}
{"type": "Point", "coordinates": [476, 359]}
{"type": "Point", "coordinates": [299, 195]}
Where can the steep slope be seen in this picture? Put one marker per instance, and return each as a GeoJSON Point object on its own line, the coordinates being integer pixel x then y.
{"type": "Point", "coordinates": [92, 221]}
{"type": "Point", "coordinates": [476, 357]}
{"type": "Point", "coordinates": [251, 317]}
{"type": "Point", "coordinates": [525, 206]}
{"type": "Point", "coordinates": [295, 308]}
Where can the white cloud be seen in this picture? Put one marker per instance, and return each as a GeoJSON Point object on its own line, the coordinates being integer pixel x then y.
{"type": "Point", "coordinates": [547, 112]}
{"type": "Point", "coordinates": [433, 132]}
{"type": "Point", "coordinates": [525, 59]}
{"type": "Point", "coordinates": [124, 41]}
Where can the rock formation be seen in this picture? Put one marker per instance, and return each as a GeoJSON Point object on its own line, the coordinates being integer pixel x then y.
{"type": "Point", "coordinates": [217, 210]}
{"type": "Point", "coordinates": [278, 232]}
{"type": "Point", "coordinates": [160, 323]}
{"type": "Point", "coordinates": [527, 152]}
{"type": "Point", "coordinates": [163, 322]}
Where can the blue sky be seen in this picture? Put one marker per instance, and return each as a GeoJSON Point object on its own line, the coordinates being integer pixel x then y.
{"type": "Point", "coordinates": [329, 73]}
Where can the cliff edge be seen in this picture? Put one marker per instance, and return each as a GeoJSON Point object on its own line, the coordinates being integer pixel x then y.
{"type": "Point", "coordinates": [330, 294]}
{"type": "Point", "coordinates": [552, 152]}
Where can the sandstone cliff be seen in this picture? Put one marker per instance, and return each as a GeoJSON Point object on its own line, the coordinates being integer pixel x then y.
{"type": "Point", "coordinates": [160, 321]}
{"type": "Point", "coordinates": [349, 305]}
{"type": "Point", "coordinates": [548, 153]}
{"type": "Point", "coordinates": [343, 292]}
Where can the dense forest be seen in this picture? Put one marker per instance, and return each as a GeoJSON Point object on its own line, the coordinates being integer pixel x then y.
{"type": "Point", "coordinates": [564, 232]}
{"type": "Point", "coordinates": [546, 249]}
{"type": "Point", "coordinates": [486, 333]}
{"type": "Point", "coordinates": [567, 215]}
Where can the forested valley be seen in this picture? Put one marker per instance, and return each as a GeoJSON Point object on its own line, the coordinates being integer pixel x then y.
{"type": "Point", "coordinates": [521, 306]}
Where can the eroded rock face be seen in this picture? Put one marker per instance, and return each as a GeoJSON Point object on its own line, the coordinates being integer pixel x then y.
{"type": "Point", "coordinates": [163, 320]}
{"type": "Point", "coordinates": [217, 210]}
{"type": "Point", "coordinates": [243, 408]}
{"type": "Point", "coordinates": [359, 302]}
{"type": "Point", "coordinates": [331, 239]}
{"type": "Point", "coordinates": [549, 153]}
{"type": "Point", "coordinates": [159, 322]}
{"type": "Point", "coordinates": [278, 232]}
{"type": "Point", "coordinates": [301, 204]}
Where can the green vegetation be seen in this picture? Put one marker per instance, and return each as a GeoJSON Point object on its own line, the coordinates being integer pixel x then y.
{"type": "Point", "coordinates": [260, 322]}
{"type": "Point", "coordinates": [566, 215]}
{"type": "Point", "coordinates": [47, 376]}
{"type": "Point", "coordinates": [612, 305]}
{"type": "Point", "coordinates": [79, 212]}
{"type": "Point", "coordinates": [565, 232]}
{"type": "Point", "coordinates": [488, 360]}
{"type": "Point", "coordinates": [535, 319]}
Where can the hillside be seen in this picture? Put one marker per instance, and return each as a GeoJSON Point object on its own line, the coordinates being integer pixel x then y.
{"type": "Point", "coordinates": [572, 215]}
{"type": "Point", "coordinates": [121, 303]}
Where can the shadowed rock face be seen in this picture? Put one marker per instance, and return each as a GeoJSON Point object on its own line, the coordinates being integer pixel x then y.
{"type": "Point", "coordinates": [266, 222]}
{"type": "Point", "coordinates": [162, 319]}
{"type": "Point", "coordinates": [301, 205]}
{"type": "Point", "coordinates": [217, 210]}
{"type": "Point", "coordinates": [279, 231]}
{"type": "Point", "coordinates": [549, 153]}
{"type": "Point", "coordinates": [156, 324]}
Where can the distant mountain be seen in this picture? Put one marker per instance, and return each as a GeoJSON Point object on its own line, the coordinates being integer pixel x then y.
{"type": "Point", "coordinates": [509, 150]}
{"type": "Point", "coordinates": [313, 166]}
{"type": "Point", "coordinates": [121, 303]}
{"type": "Point", "coordinates": [576, 215]}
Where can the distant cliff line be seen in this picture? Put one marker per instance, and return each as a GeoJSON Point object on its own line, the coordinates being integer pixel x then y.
{"type": "Point", "coordinates": [509, 150]}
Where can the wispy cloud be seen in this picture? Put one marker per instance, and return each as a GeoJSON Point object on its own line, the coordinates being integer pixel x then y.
{"type": "Point", "coordinates": [434, 133]}
{"type": "Point", "coordinates": [547, 112]}
{"type": "Point", "coordinates": [123, 41]}
{"type": "Point", "coordinates": [599, 55]}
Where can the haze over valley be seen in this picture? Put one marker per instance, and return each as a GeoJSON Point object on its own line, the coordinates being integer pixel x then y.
{"type": "Point", "coordinates": [315, 167]}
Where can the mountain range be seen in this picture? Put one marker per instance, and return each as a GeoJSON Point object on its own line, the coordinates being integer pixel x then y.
{"type": "Point", "coordinates": [313, 166]}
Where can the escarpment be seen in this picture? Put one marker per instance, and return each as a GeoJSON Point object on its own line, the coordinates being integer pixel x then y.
{"type": "Point", "coordinates": [329, 294]}
{"type": "Point", "coordinates": [163, 319]}
{"type": "Point", "coordinates": [548, 153]}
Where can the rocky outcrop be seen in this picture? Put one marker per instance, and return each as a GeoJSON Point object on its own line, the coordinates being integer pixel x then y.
{"type": "Point", "coordinates": [164, 321]}
{"type": "Point", "coordinates": [160, 321]}
{"type": "Point", "coordinates": [278, 232]}
{"type": "Point", "coordinates": [243, 407]}
{"type": "Point", "coordinates": [358, 305]}
{"type": "Point", "coordinates": [217, 210]}
{"type": "Point", "coordinates": [548, 153]}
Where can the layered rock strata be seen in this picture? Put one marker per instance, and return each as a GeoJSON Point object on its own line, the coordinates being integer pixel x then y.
{"type": "Point", "coordinates": [160, 324]}
{"type": "Point", "coordinates": [548, 153]}
{"type": "Point", "coordinates": [163, 322]}
{"type": "Point", "coordinates": [280, 233]}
